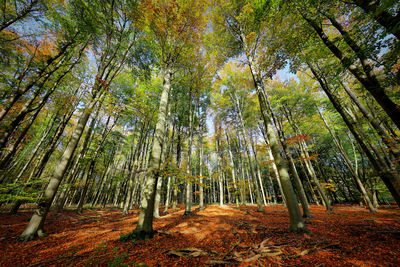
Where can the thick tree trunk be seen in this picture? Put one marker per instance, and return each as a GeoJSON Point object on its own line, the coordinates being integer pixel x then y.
{"type": "Point", "coordinates": [387, 20]}
{"type": "Point", "coordinates": [144, 228]}
{"type": "Point", "coordinates": [296, 220]}
{"type": "Point", "coordinates": [35, 226]}
{"type": "Point", "coordinates": [365, 77]}
{"type": "Point", "coordinates": [393, 148]}
{"type": "Point", "coordinates": [188, 182]}
{"type": "Point", "coordinates": [389, 176]}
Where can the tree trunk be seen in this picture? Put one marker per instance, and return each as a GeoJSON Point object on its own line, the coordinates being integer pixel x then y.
{"type": "Point", "coordinates": [246, 146]}
{"type": "Point", "coordinates": [350, 166]}
{"type": "Point", "coordinates": [144, 228]}
{"type": "Point", "coordinates": [35, 226]}
{"type": "Point", "coordinates": [391, 23]}
{"type": "Point", "coordinates": [393, 149]}
{"type": "Point", "coordinates": [296, 221]}
{"type": "Point", "coordinates": [236, 192]}
{"type": "Point", "coordinates": [220, 169]}
{"type": "Point", "coordinates": [188, 182]}
{"type": "Point", "coordinates": [201, 196]}
{"type": "Point", "coordinates": [366, 77]}
{"type": "Point", "coordinates": [389, 176]}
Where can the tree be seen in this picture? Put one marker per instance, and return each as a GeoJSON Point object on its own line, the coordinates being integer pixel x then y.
{"type": "Point", "coordinates": [111, 60]}
{"type": "Point", "coordinates": [242, 20]}
{"type": "Point", "coordinates": [174, 28]}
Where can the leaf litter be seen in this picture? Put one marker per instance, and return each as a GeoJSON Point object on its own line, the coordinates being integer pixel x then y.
{"type": "Point", "coordinates": [349, 235]}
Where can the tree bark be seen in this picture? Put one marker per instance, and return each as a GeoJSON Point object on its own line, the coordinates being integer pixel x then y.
{"type": "Point", "coordinates": [389, 176]}
{"type": "Point", "coordinates": [35, 226]}
{"type": "Point", "coordinates": [144, 228]}
{"type": "Point", "coordinates": [387, 20]}
{"type": "Point", "coordinates": [350, 166]}
{"type": "Point", "coordinates": [296, 220]}
{"type": "Point", "coordinates": [188, 182]}
{"type": "Point", "coordinates": [366, 77]}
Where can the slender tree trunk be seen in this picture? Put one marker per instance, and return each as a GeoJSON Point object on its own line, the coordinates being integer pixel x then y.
{"type": "Point", "coordinates": [28, 107]}
{"type": "Point", "coordinates": [249, 184]}
{"type": "Point", "coordinates": [42, 75]}
{"type": "Point", "coordinates": [236, 194]}
{"type": "Point", "coordinates": [220, 169]}
{"type": "Point", "coordinates": [276, 172]}
{"type": "Point", "coordinates": [178, 164]}
{"type": "Point", "coordinates": [35, 150]}
{"type": "Point", "coordinates": [132, 170]}
{"type": "Point", "coordinates": [14, 147]}
{"type": "Point", "coordinates": [92, 164]}
{"type": "Point", "coordinates": [350, 166]}
{"type": "Point", "coordinates": [389, 176]}
{"type": "Point", "coordinates": [288, 157]}
{"type": "Point", "coordinates": [103, 183]}
{"type": "Point", "coordinates": [300, 190]}
{"type": "Point", "coordinates": [258, 171]}
{"type": "Point", "coordinates": [246, 146]}
{"type": "Point", "coordinates": [309, 167]}
{"type": "Point", "coordinates": [311, 171]}
{"type": "Point", "coordinates": [393, 149]}
{"type": "Point", "coordinates": [201, 196]}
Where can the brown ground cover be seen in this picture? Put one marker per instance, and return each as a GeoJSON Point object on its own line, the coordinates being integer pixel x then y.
{"type": "Point", "coordinates": [347, 236]}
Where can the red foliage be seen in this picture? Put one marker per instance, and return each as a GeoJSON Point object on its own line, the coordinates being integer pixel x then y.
{"type": "Point", "coordinates": [297, 138]}
{"type": "Point", "coordinates": [103, 83]}
{"type": "Point", "coordinates": [312, 157]}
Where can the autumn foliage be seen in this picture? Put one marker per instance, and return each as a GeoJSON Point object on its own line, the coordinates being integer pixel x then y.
{"type": "Point", "coordinates": [349, 235]}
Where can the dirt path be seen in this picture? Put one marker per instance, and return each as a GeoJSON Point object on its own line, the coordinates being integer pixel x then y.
{"type": "Point", "coordinates": [349, 235]}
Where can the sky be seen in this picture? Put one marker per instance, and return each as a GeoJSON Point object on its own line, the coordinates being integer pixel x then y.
{"type": "Point", "coordinates": [285, 74]}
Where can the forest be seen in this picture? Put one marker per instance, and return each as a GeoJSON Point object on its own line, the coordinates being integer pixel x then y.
{"type": "Point", "coordinates": [200, 132]}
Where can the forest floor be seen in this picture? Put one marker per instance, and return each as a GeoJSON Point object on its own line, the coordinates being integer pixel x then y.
{"type": "Point", "coordinates": [346, 236]}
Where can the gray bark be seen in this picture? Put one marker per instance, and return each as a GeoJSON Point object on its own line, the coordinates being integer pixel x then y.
{"type": "Point", "coordinates": [35, 226]}
{"type": "Point", "coordinates": [350, 166]}
{"type": "Point", "coordinates": [144, 228]}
